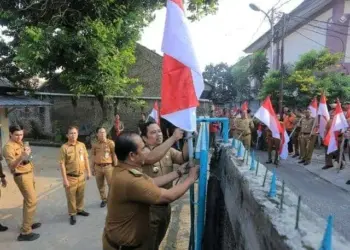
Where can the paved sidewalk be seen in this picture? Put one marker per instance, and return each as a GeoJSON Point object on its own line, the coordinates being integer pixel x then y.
{"type": "Point", "coordinates": [56, 233]}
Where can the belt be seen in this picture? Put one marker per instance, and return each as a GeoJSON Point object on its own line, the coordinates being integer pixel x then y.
{"type": "Point", "coordinates": [117, 247]}
{"type": "Point", "coordinates": [306, 133]}
{"type": "Point", "coordinates": [74, 175]}
{"type": "Point", "coordinates": [19, 174]}
{"type": "Point", "coordinates": [103, 164]}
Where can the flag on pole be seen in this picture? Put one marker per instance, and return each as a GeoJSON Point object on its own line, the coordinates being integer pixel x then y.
{"type": "Point", "coordinates": [267, 115]}
{"type": "Point", "coordinates": [245, 106]}
{"type": "Point", "coordinates": [155, 113]}
{"type": "Point", "coordinates": [324, 115]}
{"type": "Point", "coordinates": [182, 81]}
{"type": "Point", "coordinates": [339, 123]}
{"type": "Point", "coordinates": [313, 107]}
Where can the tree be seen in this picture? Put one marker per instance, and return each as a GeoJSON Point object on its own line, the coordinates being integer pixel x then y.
{"type": "Point", "coordinates": [258, 67]}
{"type": "Point", "coordinates": [90, 43]}
{"type": "Point", "coordinates": [241, 83]}
{"type": "Point", "coordinates": [220, 77]}
{"type": "Point", "coordinates": [313, 73]}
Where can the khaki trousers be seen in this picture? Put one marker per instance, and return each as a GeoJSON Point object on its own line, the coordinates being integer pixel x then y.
{"type": "Point", "coordinates": [75, 194]}
{"type": "Point", "coordinates": [310, 148]}
{"type": "Point", "coordinates": [102, 174]}
{"type": "Point", "coordinates": [304, 141]}
{"type": "Point", "coordinates": [296, 142]}
{"type": "Point", "coordinates": [26, 185]}
{"type": "Point", "coordinates": [159, 222]}
{"type": "Point", "coordinates": [273, 143]}
{"type": "Point", "coordinates": [246, 140]}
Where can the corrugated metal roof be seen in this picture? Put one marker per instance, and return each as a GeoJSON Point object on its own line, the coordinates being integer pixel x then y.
{"type": "Point", "coordinates": [20, 101]}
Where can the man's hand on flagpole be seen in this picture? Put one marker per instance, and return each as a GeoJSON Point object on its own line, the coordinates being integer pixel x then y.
{"type": "Point", "coordinates": [178, 134]}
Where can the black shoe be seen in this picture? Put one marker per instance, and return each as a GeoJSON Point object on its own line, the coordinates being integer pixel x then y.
{"type": "Point", "coordinates": [103, 203]}
{"type": "Point", "coordinates": [73, 220]}
{"type": "Point", "coordinates": [348, 182]}
{"type": "Point", "coordinates": [295, 156]}
{"type": "Point", "coordinates": [302, 161]}
{"type": "Point", "coordinates": [83, 213]}
{"type": "Point", "coordinates": [268, 162]}
{"type": "Point", "coordinates": [3, 228]}
{"type": "Point", "coordinates": [36, 225]}
{"type": "Point", "coordinates": [327, 167]}
{"type": "Point", "coordinates": [28, 237]}
{"type": "Point", "coordinates": [306, 163]}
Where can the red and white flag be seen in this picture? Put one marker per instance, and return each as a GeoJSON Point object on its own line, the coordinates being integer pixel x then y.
{"type": "Point", "coordinates": [339, 123]}
{"type": "Point", "coordinates": [267, 115]}
{"type": "Point", "coordinates": [155, 112]}
{"type": "Point", "coordinates": [182, 81]}
{"type": "Point", "coordinates": [245, 106]}
{"type": "Point", "coordinates": [313, 107]}
{"type": "Point", "coordinates": [324, 115]}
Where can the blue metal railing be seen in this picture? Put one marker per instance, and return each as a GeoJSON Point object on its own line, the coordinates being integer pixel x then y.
{"type": "Point", "coordinates": [203, 145]}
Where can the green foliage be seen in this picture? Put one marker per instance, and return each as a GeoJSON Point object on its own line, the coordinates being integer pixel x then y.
{"type": "Point", "coordinates": [90, 42]}
{"type": "Point", "coordinates": [258, 67]}
{"type": "Point", "coordinates": [316, 71]}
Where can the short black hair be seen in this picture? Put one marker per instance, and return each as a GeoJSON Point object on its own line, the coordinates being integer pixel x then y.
{"type": "Point", "coordinates": [98, 128]}
{"type": "Point", "coordinates": [124, 144]}
{"type": "Point", "coordinates": [144, 127]}
{"type": "Point", "coordinates": [14, 128]}
{"type": "Point", "coordinates": [72, 127]}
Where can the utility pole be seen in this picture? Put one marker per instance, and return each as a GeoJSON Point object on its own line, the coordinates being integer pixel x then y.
{"type": "Point", "coordinates": [282, 68]}
{"type": "Point", "coordinates": [271, 20]}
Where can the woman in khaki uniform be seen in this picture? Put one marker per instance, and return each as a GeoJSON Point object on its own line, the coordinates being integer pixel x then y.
{"type": "Point", "coordinates": [74, 163]}
{"type": "Point", "coordinates": [17, 157]}
{"type": "Point", "coordinates": [102, 160]}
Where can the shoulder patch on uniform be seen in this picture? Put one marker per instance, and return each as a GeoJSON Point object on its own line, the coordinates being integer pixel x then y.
{"type": "Point", "coordinates": [135, 172]}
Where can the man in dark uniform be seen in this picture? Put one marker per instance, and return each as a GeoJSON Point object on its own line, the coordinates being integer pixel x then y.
{"type": "Point", "coordinates": [132, 193]}
{"type": "Point", "coordinates": [160, 215]}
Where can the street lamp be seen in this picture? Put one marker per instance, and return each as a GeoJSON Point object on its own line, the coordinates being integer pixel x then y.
{"type": "Point", "coordinates": [270, 18]}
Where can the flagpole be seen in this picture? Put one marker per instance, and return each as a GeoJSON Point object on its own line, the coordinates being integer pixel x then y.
{"type": "Point", "coordinates": [190, 157]}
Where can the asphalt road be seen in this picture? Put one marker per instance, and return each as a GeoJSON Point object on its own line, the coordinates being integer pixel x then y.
{"type": "Point", "coordinates": [321, 196]}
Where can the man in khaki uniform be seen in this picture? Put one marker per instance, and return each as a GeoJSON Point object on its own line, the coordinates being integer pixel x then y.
{"type": "Point", "coordinates": [296, 135]}
{"type": "Point", "coordinates": [273, 144]}
{"type": "Point", "coordinates": [102, 160]}
{"type": "Point", "coordinates": [74, 163]}
{"type": "Point", "coordinates": [243, 129]}
{"type": "Point", "coordinates": [160, 215]}
{"type": "Point", "coordinates": [17, 157]}
{"type": "Point", "coordinates": [3, 184]}
{"type": "Point", "coordinates": [305, 134]}
{"type": "Point", "coordinates": [132, 193]}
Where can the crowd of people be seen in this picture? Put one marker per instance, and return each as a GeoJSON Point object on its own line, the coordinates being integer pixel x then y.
{"type": "Point", "coordinates": [138, 167]}
{"type": "Point", "coordinates": [299, 124]}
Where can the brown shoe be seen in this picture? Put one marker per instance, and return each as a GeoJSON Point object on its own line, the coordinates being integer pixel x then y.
{"type": "Point", "coordinates": [36, 225]}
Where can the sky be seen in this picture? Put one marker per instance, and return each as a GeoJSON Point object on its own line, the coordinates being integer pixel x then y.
{"type": "Point", "coordinates": [221, 37]}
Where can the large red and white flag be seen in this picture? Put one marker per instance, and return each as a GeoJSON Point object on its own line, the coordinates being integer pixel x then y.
{"type": "Point", "coordinates": [267, 115]}
{"type": "Point", "coordinates": [182, 81]}
{"type": "Point", "coordinates": [313, 107]}
{"type": "Point", "coordinates": [324, 115]}
{"type": "Point", "coordinates": [339, 123]}
{"type": "Point", "coordinates": [155, 112]}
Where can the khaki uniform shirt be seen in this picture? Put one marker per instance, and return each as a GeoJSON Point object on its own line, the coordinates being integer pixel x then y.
{"type": "Point", "coordinates": [306, 125]}
{"type": "Point", "coordinates": [103, 152]}
{"type": "Point", "coordinates": [244, 126]}
{"type": "Point", "coordinates": [165, 165]}
{"type": "Point", "coordinates": [12, 151]}
{"type": "Point", "coordinates": [129, 200]}
{"type": "Point", "coordinates": [74, 157]}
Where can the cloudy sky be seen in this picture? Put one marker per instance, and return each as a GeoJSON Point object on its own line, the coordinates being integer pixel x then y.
{"type": "Point", "coordinates": [224, 36]}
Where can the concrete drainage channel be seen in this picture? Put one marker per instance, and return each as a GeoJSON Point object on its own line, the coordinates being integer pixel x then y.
{"type": "Point", "coordinates": [241, 216]}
